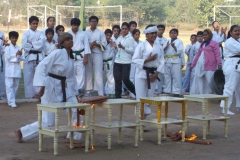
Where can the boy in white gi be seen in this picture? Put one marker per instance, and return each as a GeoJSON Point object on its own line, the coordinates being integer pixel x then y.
{"type": "Point", "coordinates": [161, 40]}
{"type": "Point", "coordinates": [189, 53]}
{"type": "Point", "coordinates": [133, 25]}
{"type": "Point", "coordinates": [116, 32]}
{"type": "Point", "coordinates": [173, 49]}
{"type": "Point", "coordinates": [2, 65]}
{"type": "Point", "coordinates": [108, 55]}
{"type": "Point", "coordinates": [48, 43]}
{"type": "Point", "coordinates": [32, 45]}
{"type": "Point", "coordinates": [59, 29]}
{"type": "Point", "coordinates": [97, 42]}
{"type": "Point", "coordinates": [13, 74]}
{"type": "Point", "coordinates": [149, 61]}
{"type": "Point", "coordinates": [81, 50]}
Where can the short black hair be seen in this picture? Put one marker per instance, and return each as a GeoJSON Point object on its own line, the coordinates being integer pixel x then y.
{"type": "Point", "coordinates": [33, 18]}
{"type": "Point", "coordinates": [13, 34]}
{"type": "Point", "coordinates": [193, 35]}
{"type": "Point", "coordinates": [214, 22]}
{"type": "Point", "coordinates": [60, 26]}
{"type": "Point", "coordinates": [49, 30]}
{"type": "Point", "coordinates": [161, 26]}
{"type": "Point", "coordinates": [135, 31]}
{"type": "Point", "coordinates": [93, 17]}
{"type": "Point", "coordinates": [108, 31]}
{"type": "Point", "coordinates": [132, 22]}
{"type": "Point", "coordinates": [200, 33]}
{"type": "Point", "coordinates": [75, 21]}
{"type": "Point", "coordinates": [125, 24]}
{"type": "Point", "coordinates": [50, 18]}
{"type": "Point", "coordinates": [115, 26]}
{"type": "Point", "coordinates": [174, 30]}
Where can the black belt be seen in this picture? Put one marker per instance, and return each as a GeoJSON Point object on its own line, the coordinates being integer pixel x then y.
{"type": "Point", "coordinates": [63, 81]}
{"type": "Point", "coordinates": [34, 52]}
{"type": "Point", "coordinates": [1, 63]}
{"type": "Point", "coordinates": [148, 71]}
{"type": "Point", "coordinates": [220, 45]}
{"type": "Point", "coordinates": [236, 56]}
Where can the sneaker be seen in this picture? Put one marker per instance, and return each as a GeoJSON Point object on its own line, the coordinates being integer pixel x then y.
{"type": "Point", "coordinates": [228, 112]}
{"type": "Point", "coordinates": [13, 106]}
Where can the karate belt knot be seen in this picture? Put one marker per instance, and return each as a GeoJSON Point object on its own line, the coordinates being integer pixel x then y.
{"type": "Point", "coordinates": [34, 52]}
{"type": "Point", "coordinates": [148, 71]}
{"type": "Point", "coordinates": [63, 83]}
{"type": "Point", "coordinates": [173, 56]}
{"type": "Point", "coordinates": [106, 61]}
{"type": "Point", "coordinates": [1, 63]}
{"type": "Point", "coordinates": [78, 53]}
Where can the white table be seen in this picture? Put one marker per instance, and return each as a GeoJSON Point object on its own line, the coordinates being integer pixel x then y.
{"type": "Point", "coordinates": [54, 131]}
{"type": "Point", "coordinates": [158, 122]}
{"type": "Point", "coordinates": [108, 126]}
{"type": "Point", "coordinates": [205, 118]}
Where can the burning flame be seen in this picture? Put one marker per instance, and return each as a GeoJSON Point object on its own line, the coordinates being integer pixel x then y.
{"type": "Point", "coordinates": [92, 105]}
{"type": "Point", "coordinates": [75, 126]}
{"type": "Point", "coordinates": [192, 137]}
{"type": "Point", "coordinates": [92, 148]}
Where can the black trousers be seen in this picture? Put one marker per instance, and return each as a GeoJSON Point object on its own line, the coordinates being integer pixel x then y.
{"type": "Point", "coordinates": [121, 74]}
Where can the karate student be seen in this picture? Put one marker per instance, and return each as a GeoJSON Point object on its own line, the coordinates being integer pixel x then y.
{"type": "Point", "coordinates": [189, 53]}
{"type": "Point", "coordinates": [133, 25]}
{"type": "Point", "coordinates": [59, 29]}
{"type": "Point", "coordinates": [173, 49]}
{"type": "Point", "coordinates": [2, 65]}
{"type": "Point", "coordinates": [32, 45]}
{"type": "Point", "coordinates": [149, 61]}
{"type": "Point", "coordinates": [219, 36]}
{"type": "Point", "coordinates": [232, 77]}
{"type": "Point", "coordinates": [116, 32]}
{"type": "Point", "coordinates": [123, 60]}
{"type": "Point", "coordinates": [193, 84]}
{"type": "Point", "coordinates": [205, 62]}
{"type": "Point", "coordinates": [97, 42]}
{"type": "Point", "coordinates": [49, 43]}
{"type": "Point", "coordinates": [53, 70]}
{"type": "Point", "coordinates": [13, 74]}
{"type": "Point", "coordinates": [50, 24]}
{"type": "Point", "coordinates": [136, 35]}
{"type": "Point", "coordinates": [108, 64]}
{"type": "Point", "coordinates": [161, 40]}
{"type": "Point", "coordinates": [81, 50]}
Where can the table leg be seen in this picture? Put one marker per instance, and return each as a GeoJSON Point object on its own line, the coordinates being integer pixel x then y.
{"type": "Point", "coordinates": [56, 120]}
{"type": "Point", "coordinates": [40, 127]}
{"type": "Point", "coordinates": [55, 144]}
{"type": "Point", "coordinates": [166, 109]}
{"type": "Point", "coordinates": [226, 107]}
{"type": "Point", "coordinates": [71, 140]}
{"type": "Point", "coordinates": [119, 135]}
{"type": "Point", "coordinates": [86, 117]}
{"type": "Point", "coordinates": [120, 114]}
{"type": "Point", "coordinates": [204, 109]}
{"type": "Point", "coordinates": [204, 130]}
{"type": "Point", "coordinates": [109, 138]}
{"type": "Point", "coordinates": [183, 131]}
{"type": "Point", "coordinates": [141, 132]}
{"type": "Point", "coordinates": [136, 136]}
{"type": "Point", "coordinates": [208, 130]}
{"type": "Point", "coordinates": [93, 114]}
{"type": "Point", "coordinates": [226, 128]}
{"type": "Point", "coordinates": [159, 133]}
{"type": "Point", "coordinates": [69, 117]}
{"type": "Point", "coordinates": [86, 141]}
{"type": "Point", "coordinates": [137, 113]}
{"type": "Point", "coordinates": [165, 131]}
{"type": "Point", "coordinates": [92, 137]}
{"type": "Point", "coordinates": [40, 142]}
{"type": "Point", "coordinates": [184, 104]}
{"type": "Point", "coordinates": [159, 112]}
{"type": "Point", "coordinates": [110, 116]}
{"type": "Point", "coordinates": [78, 118]}
{"type": "Point", "coordinates": [207, 107]}
{"type": "Point", "coordinates": [142, 111]}
{"type": "Point", "coordinates": [186, 108]}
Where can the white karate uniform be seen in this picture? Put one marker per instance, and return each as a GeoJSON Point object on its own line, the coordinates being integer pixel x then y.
{"type": "Point", "coordinates": [95, 61]}
{"type": "Point", "coordinates": [30, 59]}
{"type": "Point", "coordinates": [80, 41]}
{"type": "Point", "coordinates": [57, 63]}
{"type": "Point", "coordinates": [173, 74]}
{"type": "Point", "coordinates": [48, 47]}
{"type": "Point", "coordinates": [186, 78]}
{"type": "Point", "coordinates": [2, 66]}
{"type": "Point", "coordinates": [108, 55]}
{"type": "Point", "coordinates": [13, 72]}
{"type": "Point", "coordinates": [142, 52]}
{"type": "Point", "coordinates": [232, 77]}
{"type": "Point", "coordinates": [161, 42]}
{"type": "Point", "coordinates": [219, 39]}
{"type": "Point", "coordinates": [193, 83]}
{"type": "Point", "coordinates": [43, 36]}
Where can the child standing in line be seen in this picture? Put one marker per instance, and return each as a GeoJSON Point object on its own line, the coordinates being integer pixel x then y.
{"type": "Point", "coordinates": [49, 43]}
{"type": "Point", "coordinates": [116, 32]}
{"type": "Point", "coordinates": [59, 29]}
{"type": "Point", "coordinates": [13, 56]}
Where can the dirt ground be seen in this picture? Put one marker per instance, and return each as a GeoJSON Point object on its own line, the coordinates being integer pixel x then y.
{"type": "Point", "coordinates": [221, 148]}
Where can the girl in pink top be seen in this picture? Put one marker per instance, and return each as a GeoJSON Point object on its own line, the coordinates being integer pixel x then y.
{"type": "Point", "coordinates": [206, 61]}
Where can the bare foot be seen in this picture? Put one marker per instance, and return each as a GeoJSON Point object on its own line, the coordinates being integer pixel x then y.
{"type": "Point", "coordinates": [67, 140]}
{"type": "Point", "coordinates": [75, 146]}
{"type": "Point", "coordinates": [18, 134]}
